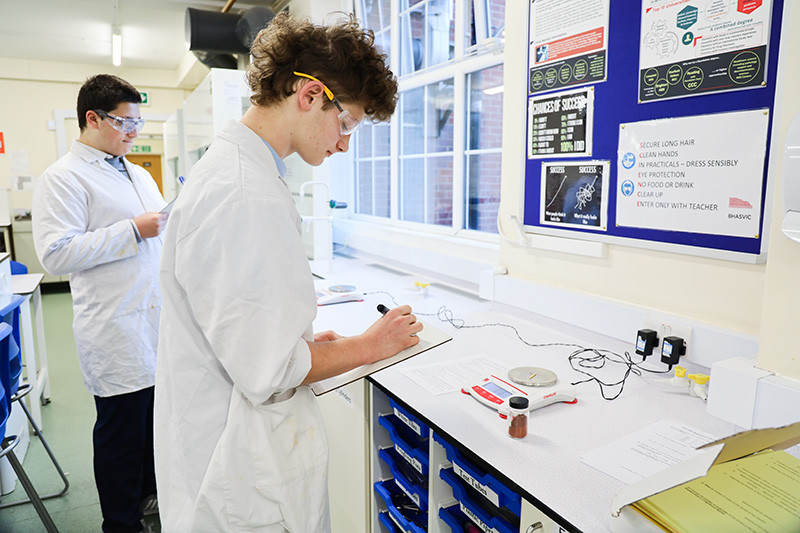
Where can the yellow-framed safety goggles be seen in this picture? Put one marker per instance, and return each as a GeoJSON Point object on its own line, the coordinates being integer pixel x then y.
{"type": "Point", "coordinates": [347, 122]}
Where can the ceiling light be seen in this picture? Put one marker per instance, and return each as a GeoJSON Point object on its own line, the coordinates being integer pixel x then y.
{"type": "Point", "coordinates": [116, 48]}
{"type": "Point", "coordinates": [493, 90]}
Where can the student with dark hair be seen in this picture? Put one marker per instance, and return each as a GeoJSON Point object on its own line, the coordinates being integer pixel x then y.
{"type": "Point", "coordinates": [95, 217]}
{"type": "Point", "coordinates": [240, 442]}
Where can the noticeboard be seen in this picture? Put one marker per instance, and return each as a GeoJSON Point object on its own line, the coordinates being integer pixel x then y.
{"type": "Point", "coordinates": [681, 117]}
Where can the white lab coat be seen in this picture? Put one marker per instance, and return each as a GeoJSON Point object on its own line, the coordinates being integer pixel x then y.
{"type": "Point", "coordinates": [82, 226]}
{"type": "Point", "coordinates": [240, 445]}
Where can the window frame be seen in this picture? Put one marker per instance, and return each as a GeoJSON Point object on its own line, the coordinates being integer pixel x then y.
{"type": "Point", "coordinates": [467, 60]}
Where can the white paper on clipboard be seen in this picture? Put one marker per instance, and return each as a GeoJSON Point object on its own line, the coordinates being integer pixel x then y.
{"type": "Point", "coordinates": [167, 208]}
{"type": "Point", "coordinates": [429, 337]}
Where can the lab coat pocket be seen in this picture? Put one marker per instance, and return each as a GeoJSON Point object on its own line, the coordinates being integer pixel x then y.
{"type": "Point", "coordinates": [276, 459]}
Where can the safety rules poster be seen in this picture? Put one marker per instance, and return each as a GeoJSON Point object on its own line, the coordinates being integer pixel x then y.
{"type": "Point", "coordinates": [690, 174]}
{"type": "Point", "coordinates": [574, 194]}
{"type": "Point", "coordinates": [690, 47]}
{"type": "Point", "coordinates": [568, 40]}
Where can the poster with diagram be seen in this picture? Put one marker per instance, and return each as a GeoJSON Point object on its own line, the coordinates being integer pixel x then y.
{"type": "Point", "coordinates": [567, 43]}
{"type": "Point", "coordinates": [575, 194]}
{"type": "Point", "coordinates": [692, 47]}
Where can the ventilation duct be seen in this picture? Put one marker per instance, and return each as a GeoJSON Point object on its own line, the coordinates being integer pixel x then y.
{"type": "Point", "coordinates": [214, 36]}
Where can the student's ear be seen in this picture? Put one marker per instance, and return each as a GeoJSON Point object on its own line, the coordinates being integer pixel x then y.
{"type": "Point", "coordinates": [93, 119]}
{"type": "Point", "coordinates": [308, 93]}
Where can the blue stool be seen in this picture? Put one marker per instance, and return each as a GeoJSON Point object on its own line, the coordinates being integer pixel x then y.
{"type": "Point", "coordinates": [10, 371]}
{"type": "Point", "coordinates": [8, 443]}
{"type": "Point", "coordinates": [17, 268]}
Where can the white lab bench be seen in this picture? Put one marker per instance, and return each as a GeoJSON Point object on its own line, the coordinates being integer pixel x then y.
{"type": "Point", "coordinates": [545, 467]}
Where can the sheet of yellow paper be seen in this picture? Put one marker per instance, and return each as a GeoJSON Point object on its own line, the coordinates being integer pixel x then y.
{"type": "Point", "coordinates": [756, 494]}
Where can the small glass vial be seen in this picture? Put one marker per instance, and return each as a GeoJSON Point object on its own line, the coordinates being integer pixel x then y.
{"type": "Point", "coordinates": [517, 417]}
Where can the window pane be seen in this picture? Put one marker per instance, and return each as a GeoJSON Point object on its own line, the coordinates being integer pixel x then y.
{"type": "Point", "coordinates": [440, 116]}
{"type": "Point", "coordinates": [440, 191]}
{"type": "Point", "coordinates": [381, 188]}
{"type": "Point", "coordinates": [426, 35]}
{"type": "Point", "coordinates": [412, 189]}
{"type": "Point", "coordinates": [363, 140]}
{"type": "Point", "coordinates": [383, 41]}
{"type": "Point", "coordinates": [364, 187]}
{"type": "Point", "coordinates": [372, 193]}
{"type": "Point", "coordinates": [487, 19]}
{"type": "Point", "coordinates": [497, 18]}
{"type": "Point", "coordinates": [412, 121]}
{"type": "Point", "coordinates": [485, 121]}
{"type": "Point", "coordinates": [376, 14]}
{"type": "Point", "coordinates": [483, 191]}
{"type": "Point", "coordinates": [380, 139]}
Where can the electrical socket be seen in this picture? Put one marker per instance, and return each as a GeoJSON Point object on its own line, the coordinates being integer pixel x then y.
{"type": "Point", "coordinates": [665, 327]}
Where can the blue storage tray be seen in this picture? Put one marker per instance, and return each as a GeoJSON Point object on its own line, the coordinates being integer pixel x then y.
{"type": "Point", "coordinates": [453, 517]}
{"type": "Point", "coordinates": [383, 518]}
{"type": "Point", "coordinates": [406, 443]}
{"type": "Point", "coordinates": [417, 426]}
{"type": "Point", "coordinates": [418, 494]}
{"type": "Point", "coordinates": [473, 511]}
{"type": "Point", "coordinates": [494, 491]}
{"type": "Point", "coordinates": [386, 490]}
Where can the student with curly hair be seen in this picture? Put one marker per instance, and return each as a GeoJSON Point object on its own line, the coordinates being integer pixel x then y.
{"type": "Point", "coordinates": [239, 439]}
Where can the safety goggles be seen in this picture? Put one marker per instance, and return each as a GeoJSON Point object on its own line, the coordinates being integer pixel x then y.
{"type": "Point", "coordinates": [347, 122]}
{"type": "Point", "coordinates": [124, 125]}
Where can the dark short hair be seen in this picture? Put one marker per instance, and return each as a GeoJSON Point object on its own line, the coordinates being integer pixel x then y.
{"type": "Point", "coordinates": [342, 55]}
{"type": "Point", "coordinates": [104, 92]}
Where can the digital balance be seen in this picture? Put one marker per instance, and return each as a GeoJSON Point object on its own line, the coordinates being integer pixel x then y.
{"type": "Point", "coordinates": [336, 294]}
{"type": "Point", "coordinates": [495, 392]}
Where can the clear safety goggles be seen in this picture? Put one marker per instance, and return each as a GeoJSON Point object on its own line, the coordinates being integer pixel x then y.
{"type": "Point", "coordinates": [347, 122]}
{"type": "Point", "coordinates": [123, 125]}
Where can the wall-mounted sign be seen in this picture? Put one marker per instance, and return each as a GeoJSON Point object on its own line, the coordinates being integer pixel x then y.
{"type": "Point", "coordinates": [690, 174]}
{"type": "Point", "coordinates": [560, 125]}
{"type": "Point", "coordinates": [141, 149]}
{"type": "Point", "coordinates": [145, 97]}
{"type": "Point", "coordinates": [567, 43]}
{"type": "Point", "coordinates": [691, 48]}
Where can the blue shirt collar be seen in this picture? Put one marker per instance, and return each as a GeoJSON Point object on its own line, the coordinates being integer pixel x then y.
{"type": "Point", "coordinates": [278, 161]}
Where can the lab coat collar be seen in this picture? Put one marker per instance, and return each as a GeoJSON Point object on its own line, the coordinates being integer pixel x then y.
{"type": "Point", "coordinates": [90, 154]}
{"type": "Point", "coordinates": [238, 133]}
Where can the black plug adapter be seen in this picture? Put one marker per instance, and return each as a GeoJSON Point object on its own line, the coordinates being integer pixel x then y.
{"type": "Point", "coordinates": [672, 349]}
{"type": "Point", "coordinates": [646, 340]}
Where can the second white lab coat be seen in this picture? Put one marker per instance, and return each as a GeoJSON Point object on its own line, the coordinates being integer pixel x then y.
{"type": "Point", "coordinates": [82, 226]}
{"type": "Point", "coordinates": [239, 444]}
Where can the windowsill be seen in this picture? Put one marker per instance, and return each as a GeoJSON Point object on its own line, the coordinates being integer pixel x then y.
{"type": "Point", "coordinates": [458, 255]}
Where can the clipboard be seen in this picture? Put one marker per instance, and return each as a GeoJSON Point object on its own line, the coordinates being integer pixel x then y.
{"type": "Point", "coordinates": [429, 337]}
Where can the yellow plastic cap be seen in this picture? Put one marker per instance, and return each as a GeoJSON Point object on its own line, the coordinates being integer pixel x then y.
{"type": "Point", "coordinates": [680, 372]}
{"type": "Point", "coordinates": [700, 379]}
{"type": "Point", "coordinates": [420, 284]}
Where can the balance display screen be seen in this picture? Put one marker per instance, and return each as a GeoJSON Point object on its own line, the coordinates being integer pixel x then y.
{"type": "Point", "coordinates": [497, 391]}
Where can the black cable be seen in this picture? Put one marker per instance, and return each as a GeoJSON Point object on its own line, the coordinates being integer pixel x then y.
{"type": "Point", "coordinates": [596, 361]}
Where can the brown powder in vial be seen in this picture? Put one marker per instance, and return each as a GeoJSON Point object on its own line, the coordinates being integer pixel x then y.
{"type": "Point", "coordinates": [518, 427]}
{"type": "Point", "coordinates": [517, 417]}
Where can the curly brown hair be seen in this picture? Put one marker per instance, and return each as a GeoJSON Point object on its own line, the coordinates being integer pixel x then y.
{"type": "Point", "coordinates": [342, 55]}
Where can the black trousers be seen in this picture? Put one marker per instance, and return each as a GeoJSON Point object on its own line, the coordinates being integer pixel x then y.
{"type": "Point", "coordinates": [124, 469]}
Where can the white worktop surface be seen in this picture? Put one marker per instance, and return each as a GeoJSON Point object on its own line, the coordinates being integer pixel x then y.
{"type": "Point", "coordinates": [546, 464]}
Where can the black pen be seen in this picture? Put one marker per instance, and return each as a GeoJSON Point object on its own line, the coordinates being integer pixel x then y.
{"type": "Point", "coordinates": [383, 309]}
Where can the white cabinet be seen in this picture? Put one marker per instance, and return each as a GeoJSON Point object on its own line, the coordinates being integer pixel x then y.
{"type": "Point", "coordinates": [423, 482]}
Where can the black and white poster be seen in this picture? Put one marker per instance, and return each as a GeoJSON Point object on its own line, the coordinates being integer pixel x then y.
{"type": "Point", "coordinates": [575, 194]}
{"type": "Point", "coordinates": [560, 125]}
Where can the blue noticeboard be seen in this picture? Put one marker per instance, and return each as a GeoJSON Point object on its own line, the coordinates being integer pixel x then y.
{"type": "Point", "coordinates": [617, 103]}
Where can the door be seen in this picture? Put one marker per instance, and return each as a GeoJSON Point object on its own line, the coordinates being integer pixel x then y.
{"type": "Point", "coordinates": [151, 163]}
